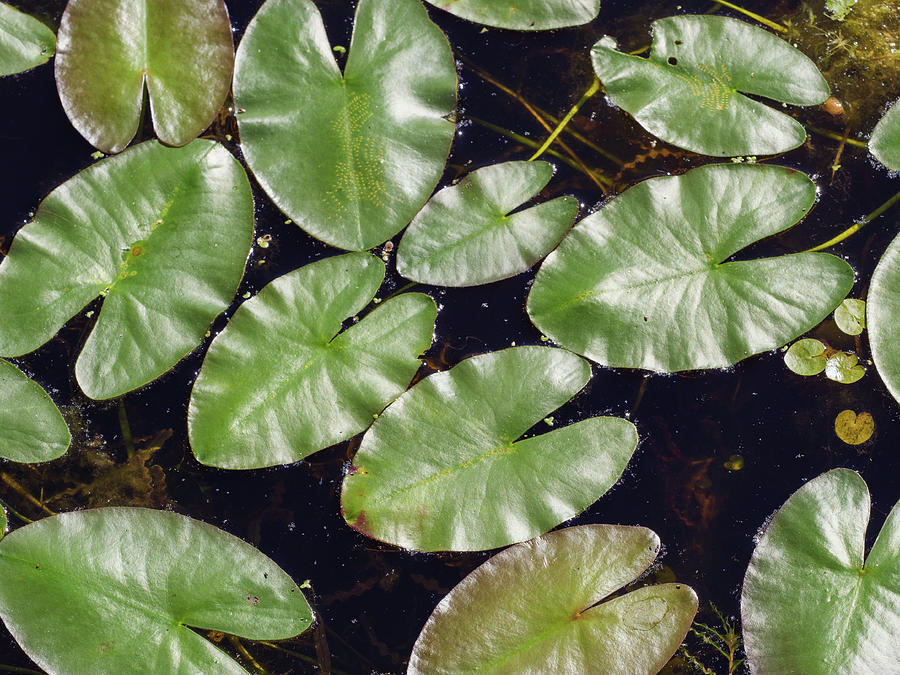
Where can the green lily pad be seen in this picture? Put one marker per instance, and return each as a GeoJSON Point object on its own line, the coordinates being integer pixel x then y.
{"type": "Point", "coordinates": [523, 14]}
{"type": "Point", "coordinates": [883, 310]}
{"type": "Point", "coordinates": [644, 282]}
{"type": "Point", "coordinates": [350, 157]}
{"type": "Point", "coordinates": [539, 607]}
{"type": "Point", "coordinates": [442, 469]}
{"type": "Point", "coordinates": [689, 91]}
{"type": "Point", "coordinates": [281, 381]}
{"type": "Point", "coordinates": [117, 590]}
{"type": "Point", "coordinates": [843, 367]}
{"type": "Point", "coordinates": [885, 140]}
{"type": "Point", "coordinates": [812, 602]}
{"type": "Point", "coordinates": [806, 357]}
{"type": "Point", "coordinates": [24, 41]}
{"type": "Point", "coordinates": [109, 49]}
{"type": "Point", "coordinates": [850, 316]}
{"type": "Point", "coordinates": [31, 426]}
{"type": "Point", "coordinates": [465, 236]}
{"type": "Point", "coordinates": [162, 233]}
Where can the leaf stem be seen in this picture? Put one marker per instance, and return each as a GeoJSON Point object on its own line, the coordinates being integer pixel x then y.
{"type": "Point", "coordinates": [746, 12]}
{"type": "Point", "coordinates": [126, 429]}
{"type": "Point", "coordinates": [242, 650]}
{"type": "Point", "coordinates": [18, 669]}
{"type": "Point", "coordinates": [15, 485]}
{"type": "Point", "coordinates": [837, 137]}
{"type": "Point", "coordinates": [593, 89]}
{"type": "Point", "coordinates": [15, 513]}
{"type": "Point", "coordinates": [856, 227]}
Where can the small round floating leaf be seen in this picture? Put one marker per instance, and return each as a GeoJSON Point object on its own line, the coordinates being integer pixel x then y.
{"type": "Point", "coordinates": [31, 426]}
{"type": "Point", "coordinates": [883, 310]}
{"type": "Point", "coordinates": [854, 429]}
{"type": "Point", "coordinates": [810, 602]}
{"type": "Point", "coordinates": [109, 49]}
{"type": "Point", "coordinates": [644, 282]}
{"type": "Point", "coordinates": [885, 140]}
{"type": "Point", "coordinates": [162, 233]}
{"type": "Point", "coordinates": [117, 590]}
{"type": "Point", "coordinates": [850, 316]}
{"type": "Point", "coordinates": [442, 469]}
{"type": "Point", "coordinates": [523, 14]}
{"type": "Point", "coordinates": [688, 92]}
{"type": "Point", "coordinates": [24, 41]}
{"type": "Point", "coordinates": [281, 381]}
{"type": "Point", "coordinates": [806, 357]}
{"type": "Point", "coordinates": [465, 235]}
{"type": "Point", "coordinates": [350, 158]}
{"type": "Point", "coordinates": [844, 367]}
{"type": "Point", "coordinates": [538, 607]}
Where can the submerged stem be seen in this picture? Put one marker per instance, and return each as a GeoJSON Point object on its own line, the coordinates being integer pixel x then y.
{"type": "Point", "coordinates": [837, 137]}
{"type": "Point", "coordinates": [126, 430]}
{"type": "Point", "coordinates": [593, 89]}
{"type": "Point", "coordinates": [856, 227]}
{"type": "Point", "coordinates": [746, 12]}
{"type": "Point", "coordinates": [242, 650]}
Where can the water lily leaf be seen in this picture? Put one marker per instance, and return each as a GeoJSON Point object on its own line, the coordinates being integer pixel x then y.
{"type": "Point", "coordinates": [465, 236]}
{"type": "Point", "coordinates": [24, 41]}
{"type": "Point", "coordinates": [854, 429]}
{"type": "Point", "coordinates": [31, 426]}
{"type": "Point", "coordinates": [839, 9]}
{"type": "Point", "coordinates": [523, 14]}
{"type": "Point", "coordinates": [117, 590]}
{"type": "Point", "coordinates": [850, 316]}
{"type": "Point", "coordinates": [538, 607]}
{"type": "Point", "coordinates": [109, 49]}
{"type": "Point", "coordinates": [162, 233]}
{"type": "Point", "coordinates": [688, 92]}
{"type": "Point", "coordinates": [883, 309]}
{"type": "Point", "coordinates": [281, 381]}
{"type": "Point", "coordinates": [644, 282]}
{"type": "Point", "coordinates": [811, 601]}
{"type": "Point", "coordinates": [442, 469]}
{"type": "Point", "coordinates": [806, 357]}
{"type": "Point", "coordinates": [843, 367]}
{"type": "Point", "coordinates": [885, 140]}
{"type": "Point", "coordinates": [350, 158]}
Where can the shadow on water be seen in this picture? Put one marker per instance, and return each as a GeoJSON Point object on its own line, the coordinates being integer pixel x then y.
{"type": "Point", "coordinates": [696, 429]}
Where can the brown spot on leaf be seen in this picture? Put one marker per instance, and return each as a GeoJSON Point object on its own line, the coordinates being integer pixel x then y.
{"type": "Point", "coordinates": [252, 600]}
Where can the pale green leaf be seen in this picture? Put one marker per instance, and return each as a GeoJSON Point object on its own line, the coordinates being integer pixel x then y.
{"type": "Point", "coordinates": [806, 357]}
{"type": "Point", "coordinates": [31, 426]}
{"type": "Point", "coordinates": [24, 41]}
{"type": "Point", "coordinates": [843, 367]}
{"type": "Point", "coordinates": [883, 309]}
{"type": "Point", "coordinates": [523, 14]}
{"type": "Point", "coordinates": [850, 316]}
{"type": "Point", "coordinates": [885, 140]}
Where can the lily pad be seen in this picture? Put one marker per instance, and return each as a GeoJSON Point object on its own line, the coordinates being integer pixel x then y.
{"type": "Point", "coordinates": [442, 469]}
{"type": "Point", "coordinates": [539, 607]}
{"type": "Point", "coordinates": [850, 316]}
{"type": "Point", "coordinates": [806, 357]}
{"type": "Point", "coordinates": [161, 233]}
{"type": "Point", "coordinates": [645, 282]}
{"type": "Point", "coordinates": [24, 41]}
{"type": "Point", "coordinates": [350, 157]}
{"type": "Point", "coordinates": [885, 140]}
{"type": "Point", "coordinates": [117, 590]}
{"type": "Point", "coordinates": [523, 14]}
{"type": "Point", "coordinates": [281, 381]}
{"type": "Point", "coordinates": [854, 429]}
{"type": "Point", "coordinates": [883, 309]}
{"type": "Point", "coordinates": [844, 367]}
{"type": "Point", "coordinates": [31, 426]}
{"type": "Point", "coordinates": [812, 602]}
{"type": "Point", "coordinates": [690, 91]}
{"type": "Point", "coordinates": [182, 50]}
{"type": "Point", "coordinates": [465, 235]}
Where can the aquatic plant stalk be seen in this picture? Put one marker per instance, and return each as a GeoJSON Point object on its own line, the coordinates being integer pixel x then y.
{"type": "Point", "coordinates": [856, 227]}
{"type": "Point", "coordinates": [837, 137]}
{"type": "Point", "coordinates": [746, 12]}
{"type": "Point", "coordinates": [593, 89]}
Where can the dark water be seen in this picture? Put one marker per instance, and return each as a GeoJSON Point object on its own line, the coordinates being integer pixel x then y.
{"type": "Point", "coordinates": [372, 599]}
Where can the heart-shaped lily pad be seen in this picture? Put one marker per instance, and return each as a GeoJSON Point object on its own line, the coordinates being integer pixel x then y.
{"type": "Point", "coordinates": [688, 92]}
{"type": "Point", "coordinates": [854, 429]}
{"type": "Point", "coordinates": [117, 590]}
{"type": "Point", "coordinates": [644, 282]}
{"type": "Point", "coordinates": [349, 157]}
{"type": "Point", "coordinates": [885, 140]}
{"type": "Point", "coordinates": [281, 381]}
{"type": "Point", "coordinates": [24, 41]}
{"type": "Point", "coordinates": [523, 14]}
{"type": "Point", "coordinates": [542, 607]}
{"type": "Point", "coordinates": [162, 233]}
{"type": "Point", "coordinates": [883, 311]}
{"type": "Point", "coordinates": [465, 235]}
{"type": "Point", "coordinates": [850, 316]}
{"type": "Point", "coordinates": [844, 367]}
{"type": "Point", "coordinates": [109, 50]}
{"type": "Point", "coordinates": [806, 357]}
{"type": "Point", "coordinates": [812, 602]}
{"type": "Point", "coordinates": [31, 426]}
{"type": "Point", "coordinates": [445, 468]}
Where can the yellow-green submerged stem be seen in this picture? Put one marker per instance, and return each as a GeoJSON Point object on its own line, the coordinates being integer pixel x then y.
{"type": "Point", "coordinates": [593, 89]}
{"type": "Point", "coordinates": [756, 17]}
{"type": "Point", "coordinates": [856, 227]}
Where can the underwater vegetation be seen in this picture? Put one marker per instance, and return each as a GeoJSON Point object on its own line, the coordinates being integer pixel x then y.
{"type": "Point", "coordinates": [444, 453]}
